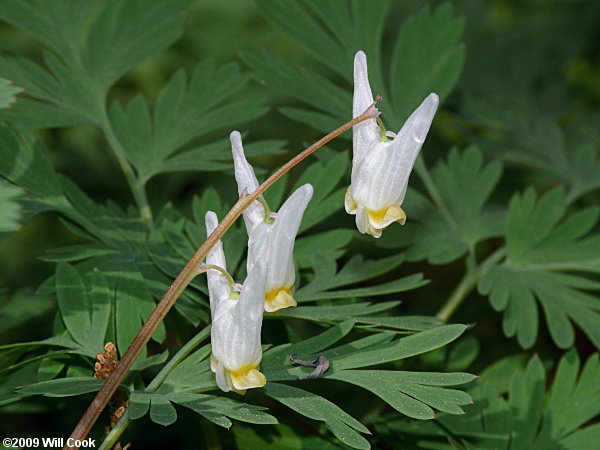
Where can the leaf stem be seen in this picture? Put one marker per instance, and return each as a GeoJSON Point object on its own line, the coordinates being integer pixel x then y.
{"type": "Point", "coordinates": [179, 356]}
{"type": "Point", "coordinates": [184, 278]}
{"type": "Point", "coordinates": [468, 283]}
{"type": "Point", "coordinates": [111, 439]}
{"type": "Point", "coordinates": [138, 190]}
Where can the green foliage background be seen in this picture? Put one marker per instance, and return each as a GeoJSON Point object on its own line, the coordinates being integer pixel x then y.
{"type": "Point", "coordinates": [121, 104]}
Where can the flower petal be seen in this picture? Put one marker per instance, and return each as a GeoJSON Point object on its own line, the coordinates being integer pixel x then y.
{"type": "Point", "coordinates": [223, 378]}
{"type": "Point", "coordinates": [246, 181]}
{"type": "Point", "coordinates": [365, 132]}
{"type": "Point", "coordinates": [381, 179]}
{"type": "Point", "coordinates": [407, 144]}
{"type": "Point", "coordinates": [247, 379]}
{"type": "Point", "coordinates": [235, 333]}
{"type": "Point", "coordinates": [375, 181]}
{"type": "Point", "coordinates": [218, 287]}
{"type": "Point", "coordinates": [249, 309]}
{"type": "Point", "coordinates": [382, 218]}
{"type": "Point", "coordinates": [279, 299]}
{"type": "Point", "coordinates": [349, 203]}
{"type": "Point", "coordinates": [279, 247]}
{"type": "Point", "coordinates": [362, 219]}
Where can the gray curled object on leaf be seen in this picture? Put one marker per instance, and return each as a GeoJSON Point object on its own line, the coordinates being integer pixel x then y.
{"type": "Point", "coordinates": [321, 365]}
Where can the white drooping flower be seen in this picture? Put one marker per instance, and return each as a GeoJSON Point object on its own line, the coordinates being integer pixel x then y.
{"type": "Point", "coordinates": [380, 166]}
{"type": "Point", "coordinates": [271, 238]}
{"type": "Point", "coordinates": [236, 321]}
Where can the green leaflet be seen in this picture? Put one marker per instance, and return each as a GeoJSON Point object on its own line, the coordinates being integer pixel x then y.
{"type": "Point", "coordinates": [364, 313]}
{"type": "Point", "coordinates": [340, 423]}
{"type": "Point", "coordinates": [356, 270]}
{"type": "Point", "coordinates": [449, 224]}
{"type": "Point", "coordinates": [368, 351]}
{"type": "Point", "coordinates": [402, 348]}
{"type": "Point", "coordinates": [125, 282]}
{"type": "Point", "coordinates": [544, 245]}
{"type": "Point", "coordinates": [428, 57]}
{"type": "Point", "coordinates": [24, 163]}
{"type": "Point", "coordinates": [331, 242]}
{"type": "Point", "coordinates": [186, 109]}
{"type": "Point", "coordinates": [337, 312]}
{"type": "Point", "coordinates": [64, 387]}
{"type": "Point", "coordinates": [218, 409]}
{"type": "Point", "coordinates": [85, 314]}
{"type": "Point", "coordinates": [411, 393]}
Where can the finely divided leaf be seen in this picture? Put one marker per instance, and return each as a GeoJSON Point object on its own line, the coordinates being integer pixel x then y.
{"type": "Point", "coordinates": [513, 411]}
{"type": "Point", "coordinates": [185, 109]}
{"type": "Point", "coordinates": [544, 246]}
{"type": "Point", "coordinates": [410, 392]}
{"type": "Point", "coordinates": [340, 423]}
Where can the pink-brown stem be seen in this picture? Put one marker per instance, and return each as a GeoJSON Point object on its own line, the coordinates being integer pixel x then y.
{"type": "Point", "coordinates": [185, 277]}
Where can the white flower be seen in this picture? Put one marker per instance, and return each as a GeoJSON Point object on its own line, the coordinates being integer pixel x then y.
{"type": "Point", "coordinates": [246, 181]}
{"type": "Point", "coordinates": [380, 167]}
{"type": "Point", "coordinates": [236, 322]}
{"type": "Point", "coordinates": [271, 240]}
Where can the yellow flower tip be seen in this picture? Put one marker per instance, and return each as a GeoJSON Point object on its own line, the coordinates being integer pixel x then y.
{"type": "Point", "coordinates": [380, 219]}
{"type": "Point", "coordinates": [383, 217]}
{"type": "Point", "coordinates": [277, 299]}
{"type": "Point", "coordinates": [247, 377]}
{"type": "Point", "coordinates": [349, 202]}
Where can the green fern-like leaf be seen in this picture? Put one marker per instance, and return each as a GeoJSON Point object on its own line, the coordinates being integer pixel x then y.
{"type": "Point", "coordinates": [514, 410]}
{"type": "Point", "coordinates": [546, 248]}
